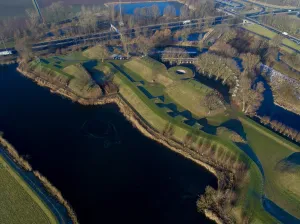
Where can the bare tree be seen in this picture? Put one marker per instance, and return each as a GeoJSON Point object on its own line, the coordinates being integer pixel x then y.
{"type": "Point", "coordinates": [250, 61]}
{"type": "Point", "coordinates": [170, 11]}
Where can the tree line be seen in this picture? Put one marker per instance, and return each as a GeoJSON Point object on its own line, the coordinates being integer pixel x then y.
{"type": "Point", "coordinates": [281, 128]}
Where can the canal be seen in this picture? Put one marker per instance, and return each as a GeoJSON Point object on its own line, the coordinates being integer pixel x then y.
{"type": "Point", "coordinates": [105, 168]}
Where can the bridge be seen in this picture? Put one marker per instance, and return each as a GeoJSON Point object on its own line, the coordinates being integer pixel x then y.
{"type": "Point", "coordinates": [182, 60]}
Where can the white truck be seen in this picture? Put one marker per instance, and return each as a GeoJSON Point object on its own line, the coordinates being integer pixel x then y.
{"type": "Point", "coordinates": [285, 33]}
{"type": "Point", "coordinates": [4, 53]}
{"type": "Point", "coordinates": [186, 22]}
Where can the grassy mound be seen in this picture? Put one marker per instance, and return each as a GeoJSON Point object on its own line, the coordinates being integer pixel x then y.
{"type": "Point", "coordinates": [189, 95]}
{"type": "Point", "coordinates": [97, 52]}
{"type": "Point", "coordinates": [150, 70]}
{"type": "Point", "coordinates": [177, 76]}
{"type": "Point", "coordinates": [82, 83]}
{"type": "Point", "coordinates": [19, 204]}
{"type": "Point", "coordinates": [271, 149]}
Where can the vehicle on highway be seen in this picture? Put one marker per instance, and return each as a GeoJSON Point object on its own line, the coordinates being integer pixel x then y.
{"type": "Point", "coordinates": [186, 22]}
{"type": "Point", "coordinates": [4, 53]}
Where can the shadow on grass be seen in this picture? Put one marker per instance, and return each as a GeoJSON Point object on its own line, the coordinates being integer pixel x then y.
{"type": "Point", "coordinates": [279, 213]}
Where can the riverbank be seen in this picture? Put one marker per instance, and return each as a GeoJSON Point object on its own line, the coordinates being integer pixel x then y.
{"type": "Point", "coordinates": [286, 106]}
{"type": "Point", "coordinates": [19, 162]}
{"type": "Point", "coordinates": [143, 127]}
{"type": "Point", "coordinates": [134, 2]}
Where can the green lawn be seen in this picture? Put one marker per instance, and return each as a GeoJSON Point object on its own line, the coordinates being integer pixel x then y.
{"type": "Point", "coordinates": [176, 76]}
{"type": "Point", "coordinates": [150, 70]}
{"type": "Point", "coordinates": [270, 34]}
{"type": "Point", "coordinates": [270, 150]}
{"type": "Point", "coordinates": [19, 204]}
{"type": "Point", "coordinates": [189, 95]}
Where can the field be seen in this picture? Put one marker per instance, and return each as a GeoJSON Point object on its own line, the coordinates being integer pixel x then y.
{"type": "Point", "coordinates": [150, 70]}
{"type": "Point", "coordinates": [278, 3]}
{"type": "Point", "coordinates": [250, 193]}
{"type": "Point", "coordinates": [14, 8]}
{"type": "Point", "coordinates": [19, 204]}
{"type": "Point", "coordinates": [270, 34]}
{"type": "Point", "coordinates": [165, 107]}
{"type": "Point", "coordinates": [270, 150]}
{"type": "Point", "coordinates": [69, 71]}
{"type": "Point", "coordinates": [189, 95]}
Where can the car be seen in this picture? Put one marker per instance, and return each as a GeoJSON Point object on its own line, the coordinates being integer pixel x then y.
{"type": "Point", "coordinates": [285, 33]}
{"type": "Point", "coordinates": [186, 22]}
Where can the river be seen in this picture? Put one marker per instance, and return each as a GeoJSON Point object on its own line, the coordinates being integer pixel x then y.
{"type": "Point", "coordinates": [105, 168]}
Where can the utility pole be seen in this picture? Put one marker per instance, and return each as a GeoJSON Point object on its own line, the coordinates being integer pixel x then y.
{"type": "Point", "coordinates": [121, 23]}
{"type": "Point", "coordinates": [37, 8]}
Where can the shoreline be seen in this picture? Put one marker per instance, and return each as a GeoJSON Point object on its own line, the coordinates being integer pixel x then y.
{"type": "Point", "coordinates": [137, 123]}
{"type": "Point", "coordinates": [138, 2]}
{"type": "Point", "coordinates": [20, 163]}
{"type": "Point", "coordinates": [286, 108]}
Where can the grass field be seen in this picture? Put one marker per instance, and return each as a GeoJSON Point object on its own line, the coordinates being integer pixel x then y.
{"type": "Point", "coordinates": [19, 204]}
{"type": "Point", "coordinates": [150, 70]}
{"type": "Point", "coordinates": [270, 34]}
{"type": "Point", "coordinates": [250, 193]}
{"type": "Point", "coordinates": [143, 96]}
{"type": "Point", "coordinates": [271, 149]}
{"type": "Point", "coordinates": [189, 95]}
{"type": "Point", "coordinates": [14, 8]}
{"type": "Point", "coordinates": [95, 52]}
{"type": "Point", "coordinates": [69, 68]}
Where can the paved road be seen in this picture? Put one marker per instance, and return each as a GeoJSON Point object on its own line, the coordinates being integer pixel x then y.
{"type": "Point", "coordinates": [172, 25]}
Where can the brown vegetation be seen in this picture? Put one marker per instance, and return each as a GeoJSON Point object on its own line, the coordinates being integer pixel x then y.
{"type": "Point", "coordinates": [14, 154]}
{"type": "Point", "coordinates": [57, 194]}
{"type": "Point", "coordinates": [49, 187]}
{"type": "Point", "coordinates": [281, 128]}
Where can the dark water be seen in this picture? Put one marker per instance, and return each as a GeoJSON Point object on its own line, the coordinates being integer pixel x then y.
{"type": "Point", "coordinates": [108, 171]}
{"type": "Point", "coordinates": [268, 108]}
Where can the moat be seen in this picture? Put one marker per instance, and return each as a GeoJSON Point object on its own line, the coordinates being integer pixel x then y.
{"type": "Point", "coordinates": [104, 167]}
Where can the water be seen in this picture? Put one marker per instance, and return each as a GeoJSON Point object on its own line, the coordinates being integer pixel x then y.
{"type": "Point", "coordinates": [105, 168]}
{"type": "Point", "coordinates": [128, 8]}
{"type": "Point", "coordinates": [268, 108]}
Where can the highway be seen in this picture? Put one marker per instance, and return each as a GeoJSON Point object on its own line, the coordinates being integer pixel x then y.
{"type": "Point", "coordinates": [114, 35]}
{"type": "Point", "coordinates": [171, 25]}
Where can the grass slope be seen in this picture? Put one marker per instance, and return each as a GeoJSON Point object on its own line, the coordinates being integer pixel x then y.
{"type": "Point", "coordinates": [19, 204]}
{"type": "Point", "coordinates": [189, 95]}
{"type": "Point", "coordinates": [270, 34]}
{"type": "Point", "coordinates": [150, 70]}
{"type": "Point", "coordinates": [270, 150]}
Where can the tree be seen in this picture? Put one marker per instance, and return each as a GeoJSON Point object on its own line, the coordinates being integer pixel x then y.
{"type": "Point", "coordinates": [184, 12]}
{"type": "Point", "coordinates": [88, 19]}
{"type": "Point", "coordinates": [212, 102]}
{"type": "Point", "coordinates": [249, 99]}
{"type": "Point", "coordinates": [143, 44]}
{"type": "Point", "coordinates": [250, 61]}
{"type": "Point", "coordinates": [170, 11]}
{"type": "Point", "coordinates": [276, 41]}
{"type": "Point", "coordinates": [218, 66]}
{"type": "Point", "coordinates": [23, 48]}
{"type": "Point", "coordinates": [103, 53]}
{"type": "Point", "coordinates": [228, 35]}
{"type": "Point", "coordinates": [56, 12]}
{"type": "Point", "coordinates": [174, 55]}
{"type": "Point", "coordinates": [155, 12]}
